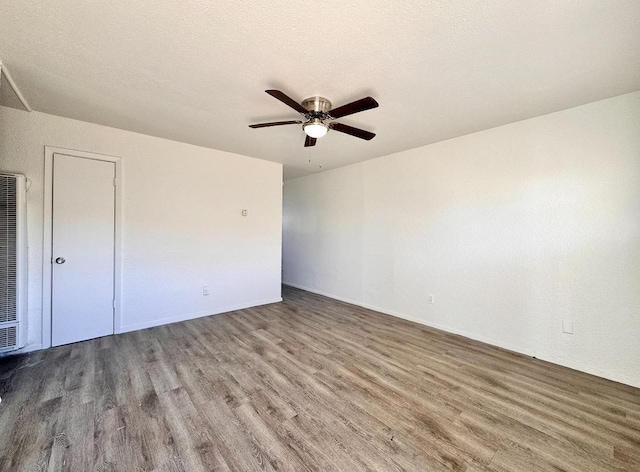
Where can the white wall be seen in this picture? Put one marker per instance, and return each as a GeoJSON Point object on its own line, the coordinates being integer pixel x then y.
{"type": "Point", "coordinates": [512, 230]}
{"type": "Point", "coordinates": [182, 223]}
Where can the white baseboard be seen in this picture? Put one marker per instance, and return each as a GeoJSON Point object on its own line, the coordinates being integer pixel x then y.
{"type": "Point", "coordinates": [328, 295]}
{"type": "Point", "coordinates": [627, 380]}
{"type": "Point", "coordinates": [447, 329]}
{"type": "Point", "coordinates": [620, 378]}
{"type": "Point", "coordinates": [198, 314]}
{"type": "Point", "coordinates": [404, 317]}
{"type": "Point", "coordinates": [28, 348]}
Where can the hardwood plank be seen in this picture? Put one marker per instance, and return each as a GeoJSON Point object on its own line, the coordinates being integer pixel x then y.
{"type": "Point", "coordinates": [73, 443]}
{"type": "Point", "coordinates": [307, 384]}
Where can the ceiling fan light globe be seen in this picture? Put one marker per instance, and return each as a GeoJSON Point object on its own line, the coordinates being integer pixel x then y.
{"type": "Point", "coordinates": [315, 130]}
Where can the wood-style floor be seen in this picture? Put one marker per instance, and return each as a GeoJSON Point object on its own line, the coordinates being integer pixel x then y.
{"type": "Point", "coordinates": [307, 384]}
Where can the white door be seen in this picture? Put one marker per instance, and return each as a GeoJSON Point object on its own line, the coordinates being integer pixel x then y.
{"type": "Point", "coordinates": [83, 249]}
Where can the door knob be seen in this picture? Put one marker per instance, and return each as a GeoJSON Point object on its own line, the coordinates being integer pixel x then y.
{"type": "Point", "coordinates": [60, 260]}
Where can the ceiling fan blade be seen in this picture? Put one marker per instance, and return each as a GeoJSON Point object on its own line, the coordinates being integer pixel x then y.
{"type": "Point", "coordinates": [275, 123]}
{"type": "Point", "coordinates": [287, 100]}
{"type": "Point", "coordinates": [357, 132]}
{"type": "Point", "coordinates": [363, 104]}
{"type": "Point", "coordinates": [310, 141]}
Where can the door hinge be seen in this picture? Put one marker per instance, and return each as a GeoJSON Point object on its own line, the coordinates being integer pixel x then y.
{"type": "Point", "coordinates": [115, 182]}
{"type": "Point", "coordinates": [114, 304]}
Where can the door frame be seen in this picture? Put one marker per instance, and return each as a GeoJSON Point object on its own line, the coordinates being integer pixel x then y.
{"type": "Point", "coordinates": [47, 265]}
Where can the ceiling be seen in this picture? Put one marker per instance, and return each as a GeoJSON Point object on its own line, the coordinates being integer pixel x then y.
{"type": "Point", "coordinates": [195, 70]}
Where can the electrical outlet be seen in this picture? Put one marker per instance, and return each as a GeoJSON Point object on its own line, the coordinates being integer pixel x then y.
{"type": "Point", "coordinates": [567, 326]}
{"type": "Point", "coordinates": [205, 290]}
{"type": "Point", "coordinates": [431, 300]}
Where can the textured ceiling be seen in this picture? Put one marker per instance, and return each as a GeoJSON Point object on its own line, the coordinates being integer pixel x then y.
{"type": "Point", "coordinates": [196, 71]}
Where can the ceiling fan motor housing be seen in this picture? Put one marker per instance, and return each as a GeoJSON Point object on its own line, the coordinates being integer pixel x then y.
{"type": "Point", "coordinates": [317, 106]}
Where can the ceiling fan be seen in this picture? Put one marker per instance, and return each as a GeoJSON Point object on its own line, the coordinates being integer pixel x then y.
{"type": "Point", "coordinates": [319, 116]}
